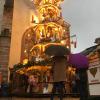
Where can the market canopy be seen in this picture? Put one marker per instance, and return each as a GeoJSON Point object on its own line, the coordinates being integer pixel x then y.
{"type": "Point", "coordinates": [78, 60]}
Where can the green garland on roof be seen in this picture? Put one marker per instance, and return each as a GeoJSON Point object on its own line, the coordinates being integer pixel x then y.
{"type": "Point", "coordinates": [46, 62]}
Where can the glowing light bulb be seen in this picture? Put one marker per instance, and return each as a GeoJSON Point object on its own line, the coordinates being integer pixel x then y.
{"type": "Point", "coordinates": [25, 51]}
{"type": "Point", "coordinates": [29, 35]}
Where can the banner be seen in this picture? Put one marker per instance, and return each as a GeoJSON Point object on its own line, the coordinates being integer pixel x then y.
{"type": "Point", "coordinates": [94, 76]}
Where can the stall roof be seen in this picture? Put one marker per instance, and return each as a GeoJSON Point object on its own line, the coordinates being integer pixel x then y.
{"type": "Point", "coordinates": [89, 50]}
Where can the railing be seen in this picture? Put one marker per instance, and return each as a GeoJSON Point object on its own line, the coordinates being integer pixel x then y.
{"type": "Point", "coordinates": [40, 89]}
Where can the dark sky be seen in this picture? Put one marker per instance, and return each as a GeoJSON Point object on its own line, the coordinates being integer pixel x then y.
{"type": "Point", "coordinates": [84, 17]}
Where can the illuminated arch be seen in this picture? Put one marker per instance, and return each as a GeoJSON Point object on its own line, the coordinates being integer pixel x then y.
{"type": "Point", "coordinates": [28, 40]}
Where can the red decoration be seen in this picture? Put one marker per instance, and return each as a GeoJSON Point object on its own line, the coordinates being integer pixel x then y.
{"type": "Point", "coordinates": [75, 44]}
{"type": "Point", "coordinates": [32, 18]}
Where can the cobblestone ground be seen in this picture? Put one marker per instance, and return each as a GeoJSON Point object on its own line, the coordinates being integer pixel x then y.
{"type": "Point", "coordinates": [14, 98]}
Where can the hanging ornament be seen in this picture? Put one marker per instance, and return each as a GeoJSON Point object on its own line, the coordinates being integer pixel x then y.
{"type": "Point", "coordinates": [72, 42]}
{"type": "Point", "coordinates": [75, 44]}
{"type": "Point", "coordinates": [32, 18]}
{"type": "Point", "coordinates": [60, 14]}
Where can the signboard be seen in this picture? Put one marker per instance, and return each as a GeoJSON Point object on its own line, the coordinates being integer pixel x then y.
{"type": "Point", "coordinates": [94, 76]}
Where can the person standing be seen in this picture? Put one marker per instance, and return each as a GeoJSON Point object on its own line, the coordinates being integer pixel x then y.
{"type": "Point", "coordinates": [32, 83]}
{"type": "Point", "coordinates": [59, 75]}
{"type": "Point", "coordinates": [83, 86]}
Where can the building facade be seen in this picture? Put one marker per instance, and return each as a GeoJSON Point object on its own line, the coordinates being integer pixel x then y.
{"type": "Point", "coordinates": [93, 72]}
{"type": "Point", "coordinates": [15, 19]}
{"type": "Point", "coordinates": [5, 35]}
{"type": "Point", "coordinates": [1, 12]}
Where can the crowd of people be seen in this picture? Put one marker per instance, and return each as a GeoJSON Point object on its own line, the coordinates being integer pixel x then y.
{"type": "Point", "coordinates": [34, 84]}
